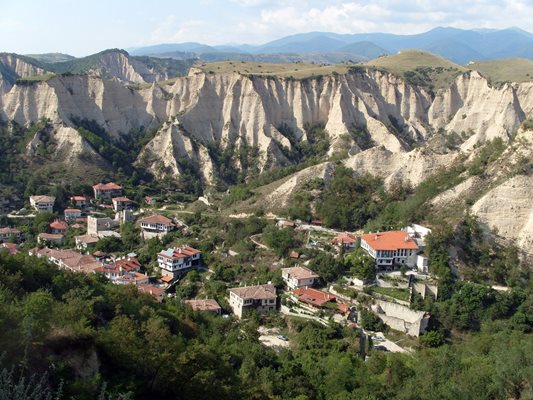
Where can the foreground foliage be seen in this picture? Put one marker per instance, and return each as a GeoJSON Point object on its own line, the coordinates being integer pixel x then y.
{"type": "Point", "coordinates": [51, 319]}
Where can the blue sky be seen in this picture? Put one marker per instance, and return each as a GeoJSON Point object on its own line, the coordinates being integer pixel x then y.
{"type": "Point", "coordinates": [85, 27]}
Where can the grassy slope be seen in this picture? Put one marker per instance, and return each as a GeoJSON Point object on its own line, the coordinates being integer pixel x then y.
{"type": "Point", "coordinates": [510, 70]}
{"type": "Point", "coordinates": [442, 74]}
{"type": "Point", "coordinates": [296, 70]}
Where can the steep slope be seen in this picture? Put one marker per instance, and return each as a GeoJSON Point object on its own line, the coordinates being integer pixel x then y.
{"type": "Point", "coordinates": [13, 67]}
{"type": "Point", "coordinates": [230, 111]}
{"type": "Point", "coordinates": [118, 64]}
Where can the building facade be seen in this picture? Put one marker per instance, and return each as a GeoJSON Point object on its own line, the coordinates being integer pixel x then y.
{"type": "Point", "coordinates": [106, 191]}
{"type": "Point", "coordinates": [296, 277]}
{"type": "Point", "coordinates": [175, 261]}
{"type": "Point", "coordinates": [261, 298]}
{"type": "Point", "coordinates": [390, 249]}
{"type": "Point", "coordinates": [42, 203]}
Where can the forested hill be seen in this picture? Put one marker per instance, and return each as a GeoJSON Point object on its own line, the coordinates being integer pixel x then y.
{"type": "Point", "coordinates": [80, 338]}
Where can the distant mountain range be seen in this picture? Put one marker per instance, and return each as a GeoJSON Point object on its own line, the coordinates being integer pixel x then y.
{"type": "Point", "coordinates": [458, 45]}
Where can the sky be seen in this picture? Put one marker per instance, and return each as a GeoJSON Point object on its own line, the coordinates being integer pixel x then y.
{"type": "Point", "coordinates": [81, 27]}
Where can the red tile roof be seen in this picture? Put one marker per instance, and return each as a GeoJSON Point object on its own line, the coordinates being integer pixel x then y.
{"type": "Point", "coordinates": [313, 296]}
{"type": "Point", "coordinates": [72, 210]}
{"type": "Point", "coordinates": [344, 238]}
{"type": "Point", "coordinates": [155, 291]}
{"type": "Point", "coordinates": [78, 198]}
{"type": "Point", "coordinates": [128, 264]}
{"type": "Point", "coordinates": [59, 225]}
{"type": "Point", "coordinates": [179, 252]}
{"type": "Point", "coordinates": [157, 219]}
{"type": "Point", "coordinates": [393, 240]}
{"type": "Point", "coordinates": [107, 186]}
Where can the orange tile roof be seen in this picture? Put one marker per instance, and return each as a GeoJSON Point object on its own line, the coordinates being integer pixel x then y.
{"type": "Point", "coordinates": [179, 252]}
{"type": "Point", "coordinates": [122, 199]}
{"type": "Point", "coordinates": [107, 186]}
{"type": "Point", "coordinates": [59, 225]}
{"type": "Point", "coordinates": [344, 238]}
{"type": "Point", "coordinates": [313, 296]}
{"type": "Point", "coordinates": [78, 198]}
{"type": "Point", "coordinates": [393, 240]}
{"type": "Point", "coordinates": [72, 210]}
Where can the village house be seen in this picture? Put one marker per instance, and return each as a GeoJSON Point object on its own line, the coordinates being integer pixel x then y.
{"type": "Point", "coordinates": [79, 201]}
{"type": "Point", "coordinates": [131, 278]}
{"type": "Point", "coordinates": [11, 248]}
{"type": "Point", "coordinates": [346, 241]}
{"type": "Point", "coordinates": [208, 305]}
{"type": "Point", "coordinates": [156, 225]}
{"type": "Point", "coordinates": [121, 203]}
{"type": "Point", "coordinates": [156, 292]}
{"type": "Point", "coordinates": [50, 238]}
{"type": "Point", "coordinates": [390, 249]}
{"type": "Point", "coordinates": [85, 242]}
{"type": "Point", "coordinates": [296, 277]}
{"type": "Point", "coordinates": [71, 214]}
{"type": "Point", "coordinates": [43, 203]}
{"type": "Point", "coordinates": [313, 297]}
{"type": "Point", "coordinates": [68, 259]}
{"type": "Point", "coordinates": [10, 234]}
{"type": "Point", "coordinates": [58, 226]}
{"type": "Point", "coordinates": [175, 261]}
{"type": "Point", "coordinates": [106, 191]}
{"type": "Point", "coordinates": [261, 298]}
{"type": "Point", "coordinates": [285, 223]}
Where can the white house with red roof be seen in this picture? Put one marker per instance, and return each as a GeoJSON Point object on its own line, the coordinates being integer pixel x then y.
{"type": "Point", "coordinates": [43, 203]}
{"type": "Point", "coordinates": [174, 261]}
{"type": "Point", "coordinates": [106, 191]}
{"type": "Point", "coordinates": [9, 234]}
{"type": "Point", "coordinates": [72, 213]}
{"type": "Point", "coordinates": [58, 226]}
{"type": "Point", "coordinates": [121, 203]}
{"type": "Point", "coordinates": [79, 201]}
{"type": "Point", "coordinates": [390, 249]}
{"type": "Point", "coordinates": [296, 277]}
{"type": "Point", "coordinates": [261, 298]}
{"type": "Point", "coordinates": [156, 225]}
{"type": "Point", "coordinates": [347, 241]}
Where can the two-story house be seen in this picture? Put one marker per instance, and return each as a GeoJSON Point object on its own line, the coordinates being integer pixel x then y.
{"type": "Point", "coordinates": [156, 225]}
{"type": "Point", "coordinates": [175, 261]}
{"type": "Point", "coordinates": [72, 213]}
{"type": "Point", "coordinates": [296, 277]}
{"type": "Point", "coordinates": [79, 201]}
{"type": "Point", "coordinates": [43, 203]}
{"type": "Point", "coordinates": [106, 191]}
{"type": "Point", "coordinates": [261, 298]}
{"type": "Point", "coordinates": [58, 226]}
{"type": "Point", "coordinates": [121, 203]}
{"type": "Point", "coordinates": [391, 249]}
{"type": "Point", "coordinates": [10, 234]}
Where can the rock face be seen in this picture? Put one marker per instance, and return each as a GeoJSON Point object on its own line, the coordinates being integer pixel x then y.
{"type": "Point", "coordinates": [268, 113]}
{"type": "Point", "coordinates": [508, 209]}
{"type": "Point", "coordinates": [12, 68]}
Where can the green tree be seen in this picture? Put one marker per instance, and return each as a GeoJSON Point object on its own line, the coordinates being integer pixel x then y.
{"type": "Point", "coordinates": [361, 265]}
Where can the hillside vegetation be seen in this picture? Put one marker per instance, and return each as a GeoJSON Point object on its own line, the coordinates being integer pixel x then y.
{"type": "Point", "coordinates": [510, 70]}
{"type": "Point", "coordinates": [419, 67]}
